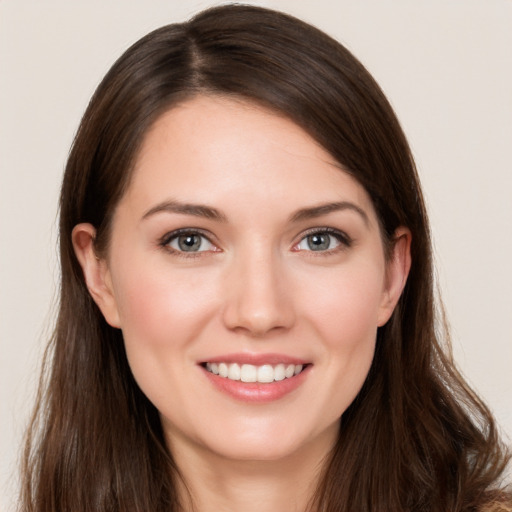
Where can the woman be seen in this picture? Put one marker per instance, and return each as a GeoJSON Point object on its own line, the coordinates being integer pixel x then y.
{"type": "Point", "coordinates": [247, 317]}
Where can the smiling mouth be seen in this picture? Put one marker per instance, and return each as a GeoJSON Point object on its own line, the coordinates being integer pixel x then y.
{"type": "Point", "coordinates": [263, 374]}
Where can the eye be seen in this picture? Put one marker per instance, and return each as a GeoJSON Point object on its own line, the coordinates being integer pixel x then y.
{"type": "Point", "coordinates": [186, 241]}
{"type": "Point", "coordinates": [323, 240]}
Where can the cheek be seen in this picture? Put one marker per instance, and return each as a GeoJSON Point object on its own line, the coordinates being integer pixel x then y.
{"type": "Point", "coordinates": [344, 313]}
{"type": "Point", "coordinates": [155, 301]}
{"type": "Point", "coordinates": [345, 306]}
{"type": "Point", "coordinates": [161, 313]}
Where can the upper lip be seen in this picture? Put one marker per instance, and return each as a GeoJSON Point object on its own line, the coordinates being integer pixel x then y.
{"type": "Point", "coordinates": [256, 359]}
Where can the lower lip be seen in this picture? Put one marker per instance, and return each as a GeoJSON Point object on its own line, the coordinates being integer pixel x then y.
{"type": "Point", "coordinates": [256, 392]}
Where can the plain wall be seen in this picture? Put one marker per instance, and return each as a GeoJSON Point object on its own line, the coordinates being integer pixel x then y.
{"type": "Point", "coordinates": [446, 66]}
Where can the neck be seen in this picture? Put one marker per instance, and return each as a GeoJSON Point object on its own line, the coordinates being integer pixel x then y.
{"type": "Point", "coordinates": [211, 482]}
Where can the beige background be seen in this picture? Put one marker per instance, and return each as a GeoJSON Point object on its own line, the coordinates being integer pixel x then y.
{"type": "Point", "coordinates": [446, 66]}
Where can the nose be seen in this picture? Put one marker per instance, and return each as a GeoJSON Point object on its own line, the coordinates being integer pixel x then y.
{"type": "Point", "coordinates": [258, 298]}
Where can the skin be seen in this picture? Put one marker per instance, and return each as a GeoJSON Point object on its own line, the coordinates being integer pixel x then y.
{"type": "Point", "coordinates": [254, 287]}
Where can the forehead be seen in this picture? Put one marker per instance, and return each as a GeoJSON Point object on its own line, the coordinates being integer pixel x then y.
{"type": "Point", "coordinates": [228, 150]}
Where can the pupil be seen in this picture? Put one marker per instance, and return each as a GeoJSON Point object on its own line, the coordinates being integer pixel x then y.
{"type": "Point", "coordinates": [189, 242]}
{"type": "Point", "coordinates": [318, 242]}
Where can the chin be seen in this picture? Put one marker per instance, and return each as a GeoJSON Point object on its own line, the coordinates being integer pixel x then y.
{"type": "Point", "coordinates": [261, 450]}
{"type": "Point", "coordinates": [268, 442]}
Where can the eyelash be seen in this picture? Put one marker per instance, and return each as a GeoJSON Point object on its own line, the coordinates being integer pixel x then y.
{"type": "Point", "coordinates": [344, 240]}
{"type": "Point", "coordinates": [166, 240]}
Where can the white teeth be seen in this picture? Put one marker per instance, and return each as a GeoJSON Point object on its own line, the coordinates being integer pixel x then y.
{"type": "Point", "coordinates": [265, 373]}
{"type": "Point", "coordinates": [223, 369]}
{"type": "Point", "coordinates": [234, 372]}
{"type": "Point", "coordinates": [289, 371]}
{"type": "Point", "coordinates": [250, 373]}
{"type": "Point", "coordinates": [279, 372]}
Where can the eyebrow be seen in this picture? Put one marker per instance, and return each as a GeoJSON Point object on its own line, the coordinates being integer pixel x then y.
{"type": "Point", "coordinates": [208, 212]}
{"type": "Point", "coordinates": [324, 209]}
{"type": "Point", "coordinates": [197, 210]}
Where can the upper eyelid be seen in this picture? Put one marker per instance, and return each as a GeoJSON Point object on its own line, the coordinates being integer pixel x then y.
{"type": "Point", "coordinates": [343, 236]}
{"type": "Point", "coordinates": [325, 229]}
{"type": "Point", "coordinates": [165, 239]}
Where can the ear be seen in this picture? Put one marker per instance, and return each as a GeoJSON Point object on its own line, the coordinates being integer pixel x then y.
{"type": "Point", "coordinates": [397, 271]}
{"type": "Point", "coordinates": [96, 273]}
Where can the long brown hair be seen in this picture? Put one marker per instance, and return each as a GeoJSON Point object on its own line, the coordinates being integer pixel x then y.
{"type": "Point", "coordinates": [416, 437]}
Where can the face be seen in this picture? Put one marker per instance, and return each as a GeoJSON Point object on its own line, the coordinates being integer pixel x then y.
{"type": "Point", "coordinates": [247, 273]}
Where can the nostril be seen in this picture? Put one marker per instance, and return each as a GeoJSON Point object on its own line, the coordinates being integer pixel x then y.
{"type": "Point", "coordinates": [258, 321]}
{"type": "Point", "coordinates": [257, 298]}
